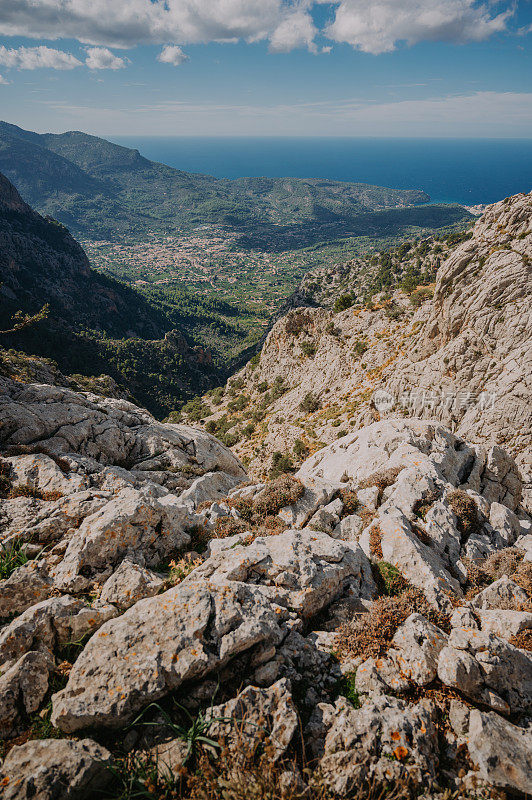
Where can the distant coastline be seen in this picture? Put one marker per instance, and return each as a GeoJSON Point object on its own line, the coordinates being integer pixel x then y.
{"type": "Point", "coordinates": [465, 171]}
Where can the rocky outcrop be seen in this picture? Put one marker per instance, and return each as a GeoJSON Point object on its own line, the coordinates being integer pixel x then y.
{"type": "Point", "coordinates": [462, 358]}
{"type": "Point", "coordinates": [169, 581]}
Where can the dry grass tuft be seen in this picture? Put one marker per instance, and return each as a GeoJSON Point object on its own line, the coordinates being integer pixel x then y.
{"type": "Point", "coordinates": [522, 640]}
{"type": "Point", "coordinates": [466, 512]}
{"type": "Point", "coordinates": [508, 561]}
{"type": "Point", "coordinates": [381, 479]}
{"type": "Point", "coordinates": [370, 635]}
{"type": "Point", "coordinates": [283, 491]}
{"type": "Point", "coordinates": [375, 548]}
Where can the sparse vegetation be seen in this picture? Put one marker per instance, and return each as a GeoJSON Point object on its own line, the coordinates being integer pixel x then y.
{"type": "Point", "coordinates": [281, 464]}
{"type": "Point", "coordinates": [12, 556]}
{"type": "Point", "coordinates": [310, 403]}
{"type": "Point", "coordinates": [466, 512]}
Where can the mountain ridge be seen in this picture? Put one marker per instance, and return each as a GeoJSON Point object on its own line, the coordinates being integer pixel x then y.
{"type": "Point", "coordinates": [100, 188]}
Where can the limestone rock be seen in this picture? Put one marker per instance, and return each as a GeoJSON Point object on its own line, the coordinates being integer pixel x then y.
{"type": "Point", "coordinates": [129, 583]}
{"type": "Point", "coordinates": [26, 586]}
{"type": "Point", "coordinates": [135, 524]}
{"type": "Point", "coordinates": [49, 624]}
{"type": "Point", "coordinates": [22, 686]}
{"type": "Point", "coordinates": [265, 716]}
{"type": "Point", "coordinates": [383, 741]}
{"type": "Point", "coordinates": [304, 570]}
{"type": "Point", "coordinates": [381, 676]}
{"type": "Point", "coordinates": [503, 593]}
{"type": "Point", "coordinates": [317, 493]}
{"type": "Point", "coordinates": [55, 769]}
{"type": "Point", "coordinates": [157, 644]}
{"type": "Point", "coordinates": [487, 669]}
{"type": "Point", "coordinates": [416, 647]}
{"type": "Point", "coordinates": [501, 751]}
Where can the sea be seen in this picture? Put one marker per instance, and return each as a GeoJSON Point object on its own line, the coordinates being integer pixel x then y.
{"type": "Point", "coordinates": [465, 171]}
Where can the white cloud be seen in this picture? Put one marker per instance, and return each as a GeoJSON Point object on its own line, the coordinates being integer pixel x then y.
{"type": "Point", "coordinates": [373, 26]}
{"type": "Point", "coordinates": [36, 57]}
{"type": "Point", "coordinates": [172, 54]}
{"type": "Point", "coordinates": [378, 26]}
{"type": "Point", "coordinates": [3, 81]}
{"type": "Point", "coordinates": [295, 30]}
{"type": "Point", "coordinates": [102, 58]}
{"type": "Point", "coordinates": [126, 23]}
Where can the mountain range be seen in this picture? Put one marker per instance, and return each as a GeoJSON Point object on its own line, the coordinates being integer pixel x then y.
{"type": "Point", "coordinates": [103, 190]}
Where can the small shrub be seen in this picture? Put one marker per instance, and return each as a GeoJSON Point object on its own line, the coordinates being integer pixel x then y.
{"type": "Point", "coordinates": [381, 479]}
{"type": "Point", "coordinates": [239, 404]}
{"type": "Point", "coordinates": [389, 580]}
{"type": "Point", "coordinates": [300, 450]}
{"type": "Point", "coordinates": [283, 491]}
{"type": "Point", "coordinates": [370, 635]}
{"type": "Point", "coordinates": [281, 464]}
{"type": "Point", "coordinates": [296, 320]}
{"type": "Point", "coordinates": [5, 478]}
{"type": "Point", "coordinates": [310, 403]}
{"type": "Point", "coordinates": [466, 512]}
{"type": "Point", "coordinates": [346, 688]}
{"type": "Point", "coordinates": [308, 347]}
{"type": "Point", "coordinates": [419, 296]}
{"type": "Point", "coordinates": [375, 536]}
{"type": "Point", "coordinates": [248, 430]}
{"type": "Point", "coordinates": [278, 388]}
{"type": "Point", "coordinates": [522, 640]}
{"type": "Point", "coordinates": [195, 409]}
{"type": "Point", "coordinates": [343, 302]}
{"type": "Point", "coordinates": [360, 348]}
{"type": "Point", "coordinates": [350, 501]}
{"type": "Point", "coordinates": [180, 569]}
{"type": "Point", "coordinates": [262, 387]}
{"type": "Point", "coordinates": [331, 329]}
{"type": "Point", "coordinates": [228, 526]}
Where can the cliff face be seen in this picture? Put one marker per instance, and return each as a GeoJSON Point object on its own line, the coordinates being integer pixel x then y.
{"type": "Point", "coordinates": [462, 357]}
{"type": "Point", "coordinates": [95, 324]}
{"type": "Point", "coordinates": [41, 263]}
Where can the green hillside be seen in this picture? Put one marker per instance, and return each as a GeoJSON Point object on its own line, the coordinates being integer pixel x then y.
{"type": "Point", "coordinates": [100, 189]}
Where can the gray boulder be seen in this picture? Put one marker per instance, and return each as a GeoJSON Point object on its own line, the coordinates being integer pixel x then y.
{"type": "Point", "coordinates": [55, 769]}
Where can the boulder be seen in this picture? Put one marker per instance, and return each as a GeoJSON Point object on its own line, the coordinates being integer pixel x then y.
{"type": "Point", "coordinates": [134, 524]}
{"type": "Point", "coordinates": [256, 718]}
{"type": "Point", "coordinates": [159, 643]}
{"type": "Point", "coordinates": [55, 769]}
{"type": "Point", "coordinates": [502, 752]}
{"type": "Point", "coordinates": [209, 488]}
{"type": "Point", "coordinates": [317, 493]}
{"type": "Point", "coordinates": [22, 689]}
{"type": "Point", "coordinates": [383, 742]}
{"type": "Point", "coordinates": [26, 586]}
{"type": "Point", "coordinates": [128, 584]}
{"type": "Point", "coordinates": [304, 570]}
{"type": "Point", "coordinates": [487, 669]}
{"type": "Point", "coordinates": [380, 676]}
{"type": "Point", "coordinates": [416, 647]}
{"type": "Point", "coordinates": [503, 593]}
{"type": "Point", "coordinates": [49, 624]}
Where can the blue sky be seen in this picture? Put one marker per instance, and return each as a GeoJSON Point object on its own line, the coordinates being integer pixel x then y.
{"type": "Point", "coordinates": [267, 67]}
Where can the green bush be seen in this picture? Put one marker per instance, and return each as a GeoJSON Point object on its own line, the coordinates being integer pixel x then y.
{"type": "Point", "coordinates": [310, 403]}
{"type": "Point", "coordinates": [343, 302]}
{"type": "Point", "coordinates": [281, 464]}
{"type": "Point", "coordinates": [308, 348]}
